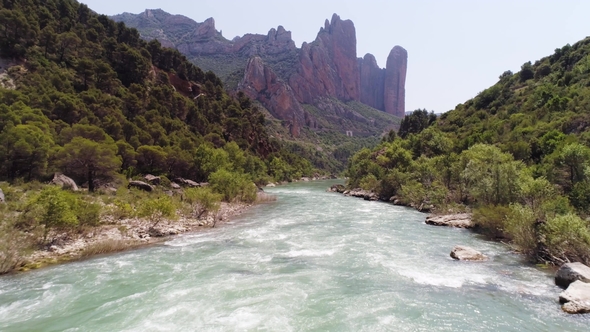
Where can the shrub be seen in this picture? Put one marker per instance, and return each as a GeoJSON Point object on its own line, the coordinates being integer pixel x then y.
{"type": "Point", "coordinates": [490, 220]}
{"type": "Point", "coordinates": [57, 209]}
{"type": "Point", "coordinates": [12, 244]}
{"type": "Point", "coordinates": [567, 238]}
{"type": "Point", "coordinates": [520, 227]}
{"type": "Point", "coordinates": [202, 200]}
{"type": "Point", "coordinates": [232, 185]}
{"type": "Point", "coordinates": [156, 210]}
{"type": "Point", "coordinates": [88, 213]}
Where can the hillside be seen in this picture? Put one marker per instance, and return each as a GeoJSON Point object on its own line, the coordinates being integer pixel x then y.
{"type": "Point", "coordinates": [517, 154]}
{"type": "Point", "coordinates": [305, 87]}
{"type": "Point", "coordinates": [86, 96]}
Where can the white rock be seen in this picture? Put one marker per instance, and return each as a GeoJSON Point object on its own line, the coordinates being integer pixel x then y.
{"type": "Point", "coordinates": [464, 253]}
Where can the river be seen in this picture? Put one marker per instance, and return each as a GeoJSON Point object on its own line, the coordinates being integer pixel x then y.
{"type": "Point", "coordinates": [311, 261]}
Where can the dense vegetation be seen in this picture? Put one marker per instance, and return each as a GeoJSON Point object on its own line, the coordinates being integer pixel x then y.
{"type": "Point", "coordinates": [86, 96]}
{"type": "Point", "coordinates": [518, 154]}
{"type": "Point", "coordinates": [93, 99]}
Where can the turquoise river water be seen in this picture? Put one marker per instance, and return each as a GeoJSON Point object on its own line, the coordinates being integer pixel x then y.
{"type": "Point", "coordinates": [312, 261]}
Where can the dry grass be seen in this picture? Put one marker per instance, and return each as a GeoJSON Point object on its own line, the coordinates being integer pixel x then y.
{"type": "Point", "coordinates": [263, 197]}
{"type": "Point", "coordinates": [108, 246]}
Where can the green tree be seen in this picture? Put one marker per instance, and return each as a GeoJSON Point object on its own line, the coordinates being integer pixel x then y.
{"type": "Point", "coordinates": [90, 160]}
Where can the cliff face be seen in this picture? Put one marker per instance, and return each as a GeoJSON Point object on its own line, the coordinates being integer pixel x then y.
{"type": "Point", "coordinates": [372, 82]}
{"type": "Point", "coordinates": [395, 81]}
{"type": "Point", "coordinates": [281, 76]}
{"type": "Point", "coordinates": [328, 67]}
{"type": "Point", "coordinates": [261, 83]}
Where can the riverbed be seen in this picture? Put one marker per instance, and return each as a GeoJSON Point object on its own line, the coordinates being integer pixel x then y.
{"type": "Point", "coordinates": [312, 260]}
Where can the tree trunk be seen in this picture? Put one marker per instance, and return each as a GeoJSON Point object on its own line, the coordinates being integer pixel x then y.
{"type": "Point", "coordinates": [91, 179]}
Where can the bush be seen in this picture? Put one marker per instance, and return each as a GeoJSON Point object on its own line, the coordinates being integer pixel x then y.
{"type": "Point", "coordinates": [156, 210]}
{"type": "Point", "coordinates": [567, 238]}
{"type": "Point", "coordinates": [88, 213]}
{"type": "Point", "coordinates": [12, 244]}
{"type": "Point", "coordinates": [57, 209]}
{"type": "Point", "coordinates": [520, 227]}
{"type": "Point", "coordinates": [232, 185]}
{"type": "Point", "coordinates": [490, 220]}
{"type": "Point", "coordinates": [202, 200]}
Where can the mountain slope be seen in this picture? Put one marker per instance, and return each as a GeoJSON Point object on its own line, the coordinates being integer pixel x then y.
{"type": "Point", "coordinates": [129, 105]}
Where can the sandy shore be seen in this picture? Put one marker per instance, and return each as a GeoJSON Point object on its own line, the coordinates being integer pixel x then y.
{"type": "Point", "coordinates": [120, 235]}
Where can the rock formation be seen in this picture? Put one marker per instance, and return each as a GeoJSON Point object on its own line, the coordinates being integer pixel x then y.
{"type": "Point", "coordinates": [462, 220]}
{"type": "Point", "coordinates": [570, 272]}
{"type": "Point", "coordinates": [464, 253]}
{"type": "Point", "coordinates": [395, 82]}
{"type": "Point", "coordinates": [64, 181]}
{"type": "Point", "coordinates": [140, 185]}
{"type": "Point", "coordinates": [576, 298]}
{"type": "Point", "coordinates": [283, 77]}
{"type": "Point", "coordinates": [261, 83]}
{"type": "Point", "coordinates": [2, 199]}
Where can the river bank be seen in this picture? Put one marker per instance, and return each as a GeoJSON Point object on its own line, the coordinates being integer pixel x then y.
{"type": "Point", "coordinates": [121, 235]}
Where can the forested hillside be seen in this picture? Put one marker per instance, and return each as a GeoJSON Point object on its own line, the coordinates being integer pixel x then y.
{"type": "Point", "coordinates": [518, 154]}
{"type": "Point", "coordinates": [87, 96]}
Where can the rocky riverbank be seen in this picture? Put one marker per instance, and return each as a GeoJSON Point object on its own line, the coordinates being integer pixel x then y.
{"type": "Point", "coordinates": [121, 235]}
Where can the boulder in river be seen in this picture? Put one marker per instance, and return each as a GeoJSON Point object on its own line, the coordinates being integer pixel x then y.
{"type": "Point", "coordinates": [577, 307]}
{"type": "Point", "coordinates": [64, 181]}
{"type": "Point", "coordinates": [461, 220]}
{"type": "Point", "coordinates": [337, 188]}
{"type": "Point", "coordinates": [2, 198]}
{"type": "Point", "coordinates": [576, 298]}
{"type": "Point", "coordinates": [140, 185]}
{"type": "Point", "coordinates": [464, 253]}
{"type": "Point", "coordinates": [571, 272]}
{"type": "Point", "coordinates": [361, 193]}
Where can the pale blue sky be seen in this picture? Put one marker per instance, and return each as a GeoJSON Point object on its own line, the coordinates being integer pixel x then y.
{"type": "Point", "coordinates": [456, 48]}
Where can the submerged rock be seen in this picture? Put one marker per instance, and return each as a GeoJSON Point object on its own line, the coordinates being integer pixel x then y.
{"type": "Point", "coordinates": [570, 272]}
{"type": "Point", "coordinates": [64, 181]}
{"type": "Point", "coordinates": [463, 253]}
{"type": "Point", "coordinates": [140, 185]}
{"type": "Point", "coordinates": [462, 220]}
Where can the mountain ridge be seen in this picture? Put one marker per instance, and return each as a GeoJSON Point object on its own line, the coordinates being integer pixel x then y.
{"type": "Point", "coordinates": [285, 75]}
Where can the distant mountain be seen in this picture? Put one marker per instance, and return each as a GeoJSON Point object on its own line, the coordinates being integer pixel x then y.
{"type": "Point", "coordinates": [321, 86]}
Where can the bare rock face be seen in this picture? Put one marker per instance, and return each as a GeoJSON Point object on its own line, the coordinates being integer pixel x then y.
{"type": "Point", "coordinates": [140, 185]}
{"type": "Point", "coordinates": [464, 253]}
{"type": "Point", "coordinates": [261, 83]}
{"type": "Point", "coordinates": [64, 181]}
{"type": "Point", "coordinates": [571, 272]}
{"type": "Point", "coordinates": [372, 82]}
{"type": "Point", "coordinates": [328, 67]}
{"type": "Point", "coordinates": [462, 220]}
{"type": "Point", "coordinates": [395, 81]}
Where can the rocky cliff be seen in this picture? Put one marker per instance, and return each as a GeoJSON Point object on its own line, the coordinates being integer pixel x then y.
{"type": "Point", "coordinates": [271, 69]}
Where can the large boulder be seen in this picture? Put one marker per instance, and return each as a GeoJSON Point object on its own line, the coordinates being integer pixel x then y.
{"type": "Point", "coordinates": [140, 185]}
{"type": "Point", "coordinates": [337, 188]}
{"type": "Point", "coordinates": [577, 307]}
{"type": "Point", "coordinates": [152, 179]}
{"type": "Point", "coordinates": [64, 181]}
{"type": "Point", "coordinates": [571, 272]}
{"type": "Point", "coordinates": [2, 198]}
{"type": "Point", "coordinates": [462, 220]}
{"type": "Point", "coordinates": [186, 182]}
{"type": "Point", "coordinates": [577, 291]}
{"type": "Point", "coordinates": [463, 253]}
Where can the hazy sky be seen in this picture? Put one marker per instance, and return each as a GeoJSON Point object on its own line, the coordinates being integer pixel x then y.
{"type": "Point", "coordinates": [456, 48]}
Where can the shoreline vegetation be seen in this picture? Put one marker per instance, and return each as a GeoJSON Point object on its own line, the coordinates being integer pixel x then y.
{"type": "Point", "coordinates": [108, 221]}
